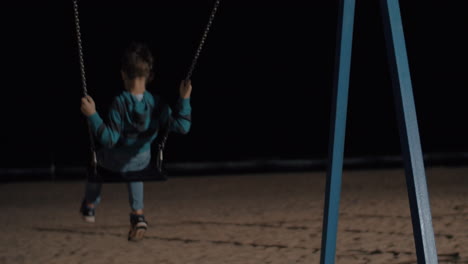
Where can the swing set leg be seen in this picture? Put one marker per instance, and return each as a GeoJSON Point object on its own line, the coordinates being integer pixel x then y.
{"type": "Point", "coordinates": [337, 130]}
{"type": "Point", "coordinates": [409, 133]}
{"type": "Point", "coordinates": [408, 128]}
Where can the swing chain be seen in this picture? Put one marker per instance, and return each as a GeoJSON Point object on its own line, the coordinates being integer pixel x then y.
{"type": "Point", "coordinates": [80, 48]}
{"type": "Point", "coordinates": [83, 78]}
{"type": "Point", "coordinates": [189, 75]}
{"type": "Point", "coordinates": [202, 42]}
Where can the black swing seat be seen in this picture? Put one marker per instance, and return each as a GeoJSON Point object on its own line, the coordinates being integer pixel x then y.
{"type": "Point", "coordinates": [150, 173]}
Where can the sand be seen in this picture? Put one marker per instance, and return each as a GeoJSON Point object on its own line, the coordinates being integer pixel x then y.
{"type": "Point", "coordinates": [250, 218]}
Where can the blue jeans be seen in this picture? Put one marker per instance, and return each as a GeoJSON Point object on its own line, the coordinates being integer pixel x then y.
{"type": "Point", "coordinates": [122, 161]}
{"type": "Point", "coordinates": [135, 194]}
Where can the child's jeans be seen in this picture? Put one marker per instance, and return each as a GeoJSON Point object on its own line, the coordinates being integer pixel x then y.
{"type": "Point", "coordinates": [120, 161]}
{"type": "Point", "coordinates": [135, 194]}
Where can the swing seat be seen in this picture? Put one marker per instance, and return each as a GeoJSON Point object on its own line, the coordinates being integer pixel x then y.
{"type": "Point", "coordinates": [151, 173]}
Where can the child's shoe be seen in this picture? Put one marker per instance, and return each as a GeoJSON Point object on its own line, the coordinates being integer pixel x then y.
{"type": "Point", "coordinates": [138, 227]}
{"type": "Point", "coordinates": [87, 213]}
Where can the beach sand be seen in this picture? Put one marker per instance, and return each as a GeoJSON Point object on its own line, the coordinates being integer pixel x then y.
{"type": "Point", "coordinates": [250, 218]}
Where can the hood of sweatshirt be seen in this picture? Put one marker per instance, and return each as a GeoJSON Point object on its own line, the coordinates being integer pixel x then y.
{"type": "Point", "coordinates": [137, 112]}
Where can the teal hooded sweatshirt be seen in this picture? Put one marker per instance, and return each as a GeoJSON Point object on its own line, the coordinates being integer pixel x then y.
{"type": "Point", "coordinates": [125, 138]}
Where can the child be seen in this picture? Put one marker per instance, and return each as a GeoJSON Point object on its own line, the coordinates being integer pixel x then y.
{"type": "Point", "coordinates": [135, 117]}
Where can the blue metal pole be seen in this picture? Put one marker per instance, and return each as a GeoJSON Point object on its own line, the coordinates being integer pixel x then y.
{"type": "Point", "coordinates": [409, 134]}
{"type": "Point", "coordinates": [337, 130]}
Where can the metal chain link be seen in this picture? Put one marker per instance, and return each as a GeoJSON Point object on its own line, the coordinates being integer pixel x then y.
{"type": "Point", "coordinates": [203, 39]}
{"type": "Point", "coordinates": [189, 75]}
{"type": "Point", "coordinates": [80, 47]}
{"type": "Point", "coordinates": [83, 80]}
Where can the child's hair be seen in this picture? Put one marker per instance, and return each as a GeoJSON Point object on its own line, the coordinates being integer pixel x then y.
{"type": "Point", "coordinates": [137, 61]}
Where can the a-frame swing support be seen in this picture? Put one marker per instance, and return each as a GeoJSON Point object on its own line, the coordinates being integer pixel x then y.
{"type": "Point", "coordinates": [408, 127]}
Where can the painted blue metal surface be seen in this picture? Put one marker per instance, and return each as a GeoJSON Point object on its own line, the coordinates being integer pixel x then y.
{"type": "Point", "coordinates": [337, 130]}
{"type": "Point", "coordinates": [409, 133]}
{"type": "Point", "coordinates": [408, 127]}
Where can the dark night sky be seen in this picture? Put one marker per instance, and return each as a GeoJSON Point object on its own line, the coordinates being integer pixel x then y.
{"type": "Point", "coordinates": [262, 86]}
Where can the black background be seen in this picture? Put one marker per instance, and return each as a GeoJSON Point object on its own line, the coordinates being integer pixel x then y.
{"type": "Point", "coordinates": [262, 86]}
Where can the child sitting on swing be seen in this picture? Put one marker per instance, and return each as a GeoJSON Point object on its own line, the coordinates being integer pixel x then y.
{"type": "Point", "coordinates": [135, 117]}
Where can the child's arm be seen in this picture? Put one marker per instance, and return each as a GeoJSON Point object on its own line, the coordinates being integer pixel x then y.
{"type": "Point", "coordinates": [107, 135]}
{"type": "Point", "coordinates": [181, 116]}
